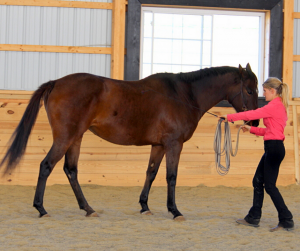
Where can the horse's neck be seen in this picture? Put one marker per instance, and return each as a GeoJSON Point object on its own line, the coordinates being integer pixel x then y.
{"type": "Point", "coordinates": [210, 92]}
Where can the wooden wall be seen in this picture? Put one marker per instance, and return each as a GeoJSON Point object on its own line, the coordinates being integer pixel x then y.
{"type": "Point", "coordinates": [104, 163]}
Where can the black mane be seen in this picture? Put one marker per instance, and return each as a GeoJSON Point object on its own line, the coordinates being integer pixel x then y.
{"type": "Point", "coordinates": [207, 72]}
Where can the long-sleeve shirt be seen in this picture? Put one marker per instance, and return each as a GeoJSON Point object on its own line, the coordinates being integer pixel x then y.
{"type": "Point", "coordinates": [274, 117]}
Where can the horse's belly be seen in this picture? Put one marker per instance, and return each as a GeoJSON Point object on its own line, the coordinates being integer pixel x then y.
{"type": "Point", "coordinates": [119, 135]}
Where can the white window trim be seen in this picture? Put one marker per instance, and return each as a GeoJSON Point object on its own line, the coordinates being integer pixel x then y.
{"type": "Point", "coordinates": [263, 45]}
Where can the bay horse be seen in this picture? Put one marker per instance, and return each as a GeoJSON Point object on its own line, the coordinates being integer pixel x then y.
{"type": "Point", "coordinates": [162, 110]}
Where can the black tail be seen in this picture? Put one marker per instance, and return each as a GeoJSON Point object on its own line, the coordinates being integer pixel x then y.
{"type": "Point", "coordinates": [19, 139]}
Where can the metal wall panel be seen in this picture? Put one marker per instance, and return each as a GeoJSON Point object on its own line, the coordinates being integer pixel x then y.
{"type": "Point", "coordinates": [28, 70]}
{"type": "Point", "coordinates": [34, 25]}
{"type": "Point", "coordinates": [296, 6]}
{"type": "Point", "coordinates": [296, 65]}
{"type": "Point", "coordinates": [296, 80]}
{"type": "Point", "coordinates": [55, 26]}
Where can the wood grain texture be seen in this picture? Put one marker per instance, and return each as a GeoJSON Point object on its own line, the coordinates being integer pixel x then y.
{"type": "Point", "coordinates": [55, 3]}
{"type": "Point", "coordinates": [104, 163]}
{"type": "Point", "coordinates": [52, 48]}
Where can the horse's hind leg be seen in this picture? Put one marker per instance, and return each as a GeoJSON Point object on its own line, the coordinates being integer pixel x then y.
{"type": "Point", "coordinates": [156, 156]}
{"type": "Point", "coordinates": [172, 158]}
{"type": "Point", "coordinates": [56, 152]}
{"type": "Point", "coordinates": [70, 168]}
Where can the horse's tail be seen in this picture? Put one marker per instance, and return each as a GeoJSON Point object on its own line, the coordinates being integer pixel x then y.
{"type": "Point", "coordinates": [19, 139]}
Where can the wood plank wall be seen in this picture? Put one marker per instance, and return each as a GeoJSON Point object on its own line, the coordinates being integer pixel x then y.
{"type": "Point", "coordinates": [104, 163]}
{"type": "Point", "coordinates": [287, 71]}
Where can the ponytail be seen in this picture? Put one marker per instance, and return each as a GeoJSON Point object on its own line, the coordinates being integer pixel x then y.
{"type": "Point", "coordinates": [285, 95]}
{"type": "Point", "coordinates": [282, 89]}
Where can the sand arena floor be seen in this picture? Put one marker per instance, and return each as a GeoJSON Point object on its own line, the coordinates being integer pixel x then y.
{"type": "Point", "coordinates": [210, 220]}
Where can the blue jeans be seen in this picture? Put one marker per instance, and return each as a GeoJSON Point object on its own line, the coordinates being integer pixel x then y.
{"type": "Point", "coordinates": [265, 178]}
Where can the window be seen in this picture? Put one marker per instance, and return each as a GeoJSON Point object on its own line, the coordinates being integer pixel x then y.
{"type": "Point", "coordinates": [183, 40]}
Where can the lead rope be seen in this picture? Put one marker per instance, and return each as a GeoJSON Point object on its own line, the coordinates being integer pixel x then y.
{"type": "Point", "coordinates": [227, 147]}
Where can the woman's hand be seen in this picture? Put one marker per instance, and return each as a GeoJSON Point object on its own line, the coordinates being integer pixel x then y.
{"type": "Point", "coordinates": [246, 128]}
{"type": "Point", "coordinates": [223, 118]}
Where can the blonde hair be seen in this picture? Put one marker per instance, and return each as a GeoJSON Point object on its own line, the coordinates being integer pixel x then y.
{"type": "Point", "coordinates": [282, 89]}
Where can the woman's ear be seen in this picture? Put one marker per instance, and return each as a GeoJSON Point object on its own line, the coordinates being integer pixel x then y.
{"type": "Point", "coordinates": [273, 91]}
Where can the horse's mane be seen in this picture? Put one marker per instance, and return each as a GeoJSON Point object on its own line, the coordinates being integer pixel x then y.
{"type": "Point", "coordinates": [207, 72]}
{"type": "Point", "coordinates": [172, 81]}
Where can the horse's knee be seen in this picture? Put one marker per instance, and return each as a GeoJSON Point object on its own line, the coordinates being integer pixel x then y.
{"type": "Point", "coordinates": [171, 180]}
{"type": "Point", "coordinates": [151, 174]}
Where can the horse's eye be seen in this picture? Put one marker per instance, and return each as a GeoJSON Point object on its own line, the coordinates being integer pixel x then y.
{"type": "Point", "coordinates": [250, 92]}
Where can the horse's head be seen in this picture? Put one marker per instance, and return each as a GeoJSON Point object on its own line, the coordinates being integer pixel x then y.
{"type": "Point", "coordinates": [244, 95]}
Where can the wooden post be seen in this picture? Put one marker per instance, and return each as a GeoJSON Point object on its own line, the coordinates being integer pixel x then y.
{"type": "Point", "coordinates": [287, 74]}
{"type": "Point", "coordinates": [118, 39]}
{"type": "Point", "coordinates": [288, 29]}
{"type": "Point", "coordinates": [296, 144]}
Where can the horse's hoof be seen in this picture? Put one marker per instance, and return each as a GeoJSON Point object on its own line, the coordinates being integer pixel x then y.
{"type": "Point", "coordinates": [45, 216]}
{"type": "Point", "coordinates": [179, 218]}
{"type": "Point", "coordinates": [94, 214]}
{"type": "Point", "coordinates": [147, 213]}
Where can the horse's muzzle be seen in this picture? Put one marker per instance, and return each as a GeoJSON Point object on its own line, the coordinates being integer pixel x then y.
{"type": "Point", "coordinates": [254, 123]}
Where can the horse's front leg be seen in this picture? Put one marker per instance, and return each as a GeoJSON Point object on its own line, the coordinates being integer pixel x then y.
{"type": "Point", "coordinates": [156, 156]}
{"type": "Point", "coordinates": [172, 158]}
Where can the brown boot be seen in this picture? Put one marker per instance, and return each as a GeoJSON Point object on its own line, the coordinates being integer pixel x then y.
{"type": "Point", "coordinates": [244, 222]}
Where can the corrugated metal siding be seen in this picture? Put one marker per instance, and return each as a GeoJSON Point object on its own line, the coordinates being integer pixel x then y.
{"type": "Point", "coordinates": [28, 70]}
{"type": "Point", "coordinates": [55, 26]}
{"type": "Point", "coordinates": [297, 6]}
{"type": "Point", "coordinates": [51, 26]}
{"type": "Point", "coordinates": [296, 65]}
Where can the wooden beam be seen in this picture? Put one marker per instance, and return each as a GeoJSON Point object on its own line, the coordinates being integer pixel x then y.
{"type": "Point", "coordinates": [118, 39]}
{"type": "Point", "coordinates": [296, 15]}
{"type": "Point", "coordinates": [18, 101]}
{"type": "Point", "coordinates": [55, 3]}
{"type": "Point", "coordinates": [295, 101]}
{"type": "Point", "coordinates": [288, 29]}
{"type": "Point", "coordinates": [16, 92]}
{"type": "Point", "coordinates": [296, 58]}
{"type": "Point", "coordinates": [50, 48]}
{"type": "Point", "coordinates": [296, 144]}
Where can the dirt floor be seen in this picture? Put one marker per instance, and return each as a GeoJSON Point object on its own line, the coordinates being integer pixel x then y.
{"type": "Point", "coordinates": [210, 220]}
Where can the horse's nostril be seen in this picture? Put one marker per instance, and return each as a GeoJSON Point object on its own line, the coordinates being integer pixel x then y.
{"type": "Point", "coordinates": [255, 123]}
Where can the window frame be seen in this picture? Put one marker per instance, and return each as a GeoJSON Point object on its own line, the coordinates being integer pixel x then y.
{"type": "Point", "coordinates": [263, 52]}
{"type": "Point", "coordinates": [273, 7]}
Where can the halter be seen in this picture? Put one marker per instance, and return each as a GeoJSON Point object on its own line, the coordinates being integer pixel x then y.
{"type": "Point", "coordinates": [244, 108]}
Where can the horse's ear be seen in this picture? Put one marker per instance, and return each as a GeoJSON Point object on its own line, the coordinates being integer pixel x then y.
{"type": "Point", "coordinates": [241, 70]}
{"type": "Point", "coordinates": [248, 68]}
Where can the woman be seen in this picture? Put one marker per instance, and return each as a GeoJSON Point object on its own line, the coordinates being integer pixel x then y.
{"type": "Point", "coordinates": [274, 116]}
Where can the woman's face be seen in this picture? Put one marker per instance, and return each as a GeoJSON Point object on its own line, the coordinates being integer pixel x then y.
{"type": "Point", "coordinates": [270, 94]}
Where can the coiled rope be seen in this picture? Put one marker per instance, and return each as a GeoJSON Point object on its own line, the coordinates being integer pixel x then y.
{"type": "Point", "coordinates": [227, 147]}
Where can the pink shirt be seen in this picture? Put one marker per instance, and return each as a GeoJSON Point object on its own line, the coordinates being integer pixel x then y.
{"type": "Point", "coordinates": [274, 117]}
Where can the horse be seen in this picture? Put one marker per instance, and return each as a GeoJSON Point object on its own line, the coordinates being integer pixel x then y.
{"type": "Point", "coordinates": [162, 110]}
